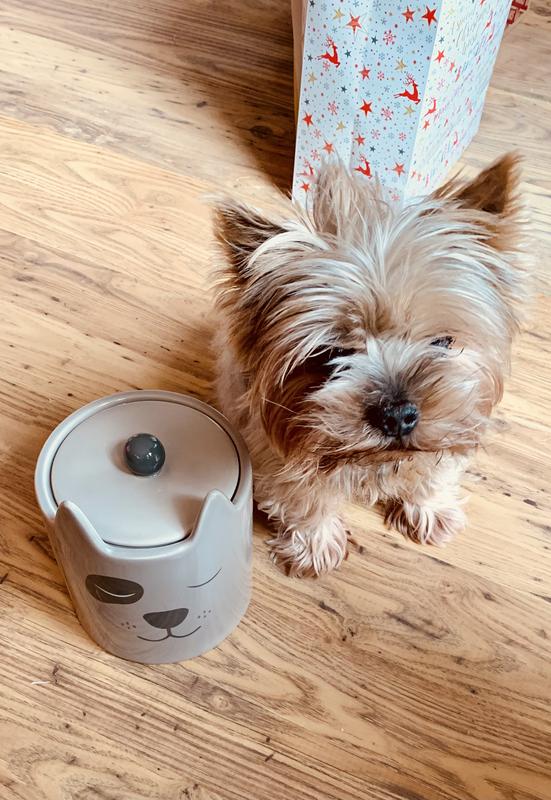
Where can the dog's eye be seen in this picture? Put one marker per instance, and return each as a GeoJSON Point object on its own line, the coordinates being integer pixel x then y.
{"type": "Point", "coordinates": [339, 352]}
{"type": "Point", "coordinates": [443, 341]}
{"type": "Point", "coordinates": [324, 360]}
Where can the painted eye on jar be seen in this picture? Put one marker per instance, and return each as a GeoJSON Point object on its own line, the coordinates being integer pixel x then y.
{"type": "Point", "coordinates": [107, 589]}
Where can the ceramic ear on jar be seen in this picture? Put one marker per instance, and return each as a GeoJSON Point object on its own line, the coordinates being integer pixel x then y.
{"type": "Point", "coordinates": [144, 589]}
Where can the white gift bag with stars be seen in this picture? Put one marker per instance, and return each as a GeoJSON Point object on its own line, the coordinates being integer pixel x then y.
{"type": "Point", "coordinates": [395, 90]}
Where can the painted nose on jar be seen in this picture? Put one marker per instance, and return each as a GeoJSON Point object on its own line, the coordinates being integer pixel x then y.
{"type": "Point", "coordinates": [166, 619]}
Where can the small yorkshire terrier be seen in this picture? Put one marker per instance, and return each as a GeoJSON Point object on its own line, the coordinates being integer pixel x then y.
{"type": "Point", "coordinates": [362, 350]}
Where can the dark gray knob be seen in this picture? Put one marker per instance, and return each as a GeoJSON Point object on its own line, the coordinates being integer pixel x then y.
{"type": "Point", "coordinates": [145, 454]}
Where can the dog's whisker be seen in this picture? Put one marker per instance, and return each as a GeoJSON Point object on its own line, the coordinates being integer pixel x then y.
{"type": "Point", "coordinates": [279, 405]}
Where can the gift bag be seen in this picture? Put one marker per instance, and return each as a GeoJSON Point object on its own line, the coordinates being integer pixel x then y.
{"type": "Point", "coordinates": [518, 7]}
{"type": "Point", "coordinates": [394, 90]}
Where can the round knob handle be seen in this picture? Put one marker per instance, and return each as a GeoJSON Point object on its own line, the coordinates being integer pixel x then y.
{"type": "Point", "coordinates": [145, 454]}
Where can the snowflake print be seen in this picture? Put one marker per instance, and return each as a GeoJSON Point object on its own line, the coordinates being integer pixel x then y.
{"type": "Point", "coordinates": [381, 75]}
{"type": "Point", "coordinates": [402, 137]}
{"type": "Point", "coordinates": [315, 155]}
{"type": "Point", "coordinates": [375, 134]}
{"type": "Point", "coordinates": [317, 133]}
{"type": "Point", "coordinates": [389, 37]}
{"type": "Point", "coordinates": [387, 113]}
{"type": "Point", "coordinates": [332, 107]}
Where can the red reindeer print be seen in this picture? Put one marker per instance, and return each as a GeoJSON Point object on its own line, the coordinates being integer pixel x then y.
{"type": "Point", "coordinates": [412, 95]}
{"type": "Point", "coordinates": [432, 109]}
{"type": "Point", "coordinates": [308, 171]}
{"type": "Point", "coordinates": [363, 167]}
{"type": "Point", "coordinates": [333, 57]}
{"type": "Point", "coordinates": [490, 25]}
{"type": "Point", "coordinates": [455, 139]}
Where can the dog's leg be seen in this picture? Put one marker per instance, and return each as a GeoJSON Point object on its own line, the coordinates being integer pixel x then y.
{"type": "Point", "coordinates": [311, 537]}
{"type": "Point", "coordinates": [428, 507]}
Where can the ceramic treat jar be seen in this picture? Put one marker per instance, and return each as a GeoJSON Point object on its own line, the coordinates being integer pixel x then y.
{"type": "Point", "coordinates": [148, 500]}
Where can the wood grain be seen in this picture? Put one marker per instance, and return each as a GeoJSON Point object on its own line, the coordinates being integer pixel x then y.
{"type": "Point", "coordinates": [412, 674]}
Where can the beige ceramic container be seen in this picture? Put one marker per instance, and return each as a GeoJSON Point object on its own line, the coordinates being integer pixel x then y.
{"type": "Point", "coordinates": [148, 500]}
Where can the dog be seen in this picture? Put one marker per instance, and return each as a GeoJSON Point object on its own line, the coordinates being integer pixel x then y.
{"type": "Point", "coordinates": [362, 348]}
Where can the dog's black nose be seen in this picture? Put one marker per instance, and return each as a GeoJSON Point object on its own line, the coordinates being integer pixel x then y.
{"type": "Point", "coordinates": [395, 419]}
{"type": "Point", "coordinates": [166, 619]}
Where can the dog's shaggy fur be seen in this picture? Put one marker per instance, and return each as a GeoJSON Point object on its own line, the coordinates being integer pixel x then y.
{"type": "Point", "coordinates": [363, 349]}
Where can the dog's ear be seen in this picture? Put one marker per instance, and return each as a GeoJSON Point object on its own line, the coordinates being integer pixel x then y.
{"type": "Point", "coordinates": [241, 230]}
{"type": "Point", "coordinates": [339, 196]}
{"type": "Point", "coordinates": [495, 193]}
{"type": "Point", "coordinates": [492, 203]}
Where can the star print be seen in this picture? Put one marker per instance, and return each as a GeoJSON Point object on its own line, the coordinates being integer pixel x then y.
{"type": "Point", "coordinates": [328, 147]}
{"type": "Point", "coordinates": [309, 58]}
{"type": "Point", "coordinates": [408, 14]}
{"type": "Point", "coordinates": [341, 126]}
{"type": "Point", "coordinates": [364, 73]}
{"type": "Point", "coordinates": [372, 148]}
{"type": "Point", "coordinates": [429, 15]}
{"type": "Point", "coordinates": [307, 118]}
{"type": "Point", "coordinates": [440, 56]}
{"type": "Point", "coordinates": [338, 14]}
{"type": "Point", "coordinates": [452, 65]}
{"type": "Point", "coordinates": [426, 124]}
{"type": "Point", "coordinates": [400, 66]}
{"type": "Point", "coordinates": [312, 3]}
{"type": "Point", "coordinates": [343, 88]}
{"type": "Point", "coordinates": [312, 78]}
{"type": "Point", "coordinates": [373, 40]}
{"type": "Point", "coordinates": [354, 23]}
{"type": "Point", "coordinates": [401, 151]}
{"type": "Point", "coordinates": [398, 169]}
{"type": "Point", "coordinates": [305, 186]}
{"type": "Point", "coordinates": [347, 53]}
{"type": "Point", "coordinates": [409, 110]}
{"type": "Point", "coordinates": [366, 108]}
{"type": "Point", "coordinates": [360, 139]}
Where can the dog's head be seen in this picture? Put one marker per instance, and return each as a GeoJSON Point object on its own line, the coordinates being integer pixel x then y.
{"type": "Point", "coordinates": [365, 329]}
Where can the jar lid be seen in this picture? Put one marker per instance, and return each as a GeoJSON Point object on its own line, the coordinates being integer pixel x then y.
{"type": "Point", "coordinates": [140, 470]}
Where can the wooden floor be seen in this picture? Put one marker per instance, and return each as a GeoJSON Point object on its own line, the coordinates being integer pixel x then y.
{"type": "Point", "coordinates": [412, 674]}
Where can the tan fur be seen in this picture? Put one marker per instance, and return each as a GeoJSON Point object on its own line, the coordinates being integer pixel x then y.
{"type": "Point", "coordinates": [331, 314]}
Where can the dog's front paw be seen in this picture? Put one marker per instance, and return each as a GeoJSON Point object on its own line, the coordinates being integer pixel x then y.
{"type": "Point", "coordinates": [302, 553]}
{"type": "Point", "coordinates": [424, 523]}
